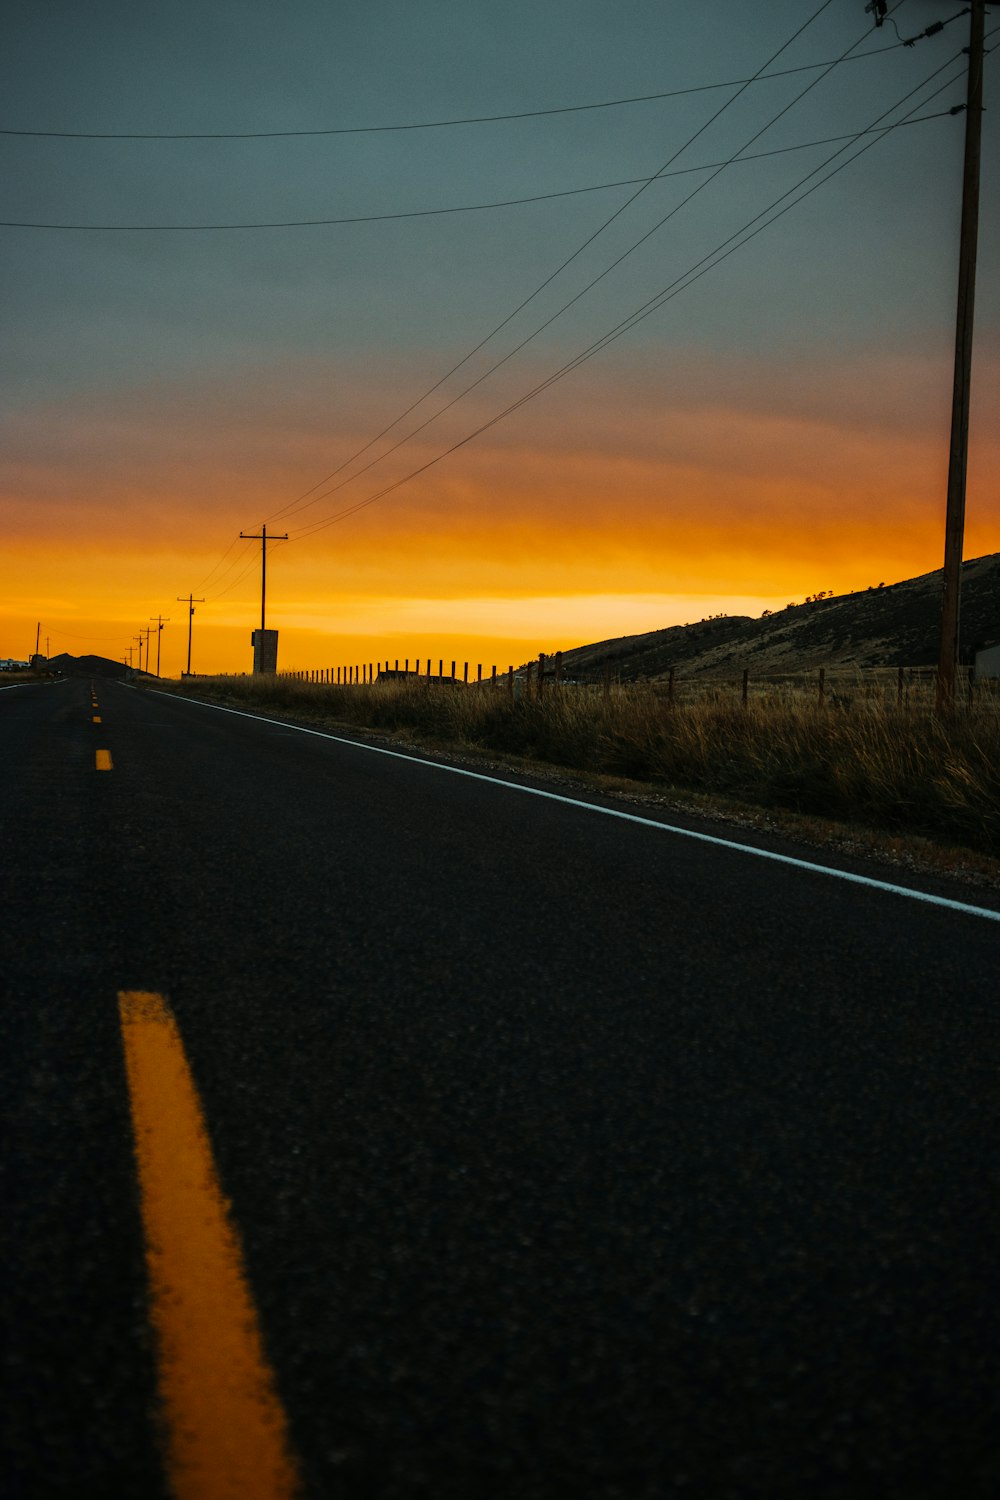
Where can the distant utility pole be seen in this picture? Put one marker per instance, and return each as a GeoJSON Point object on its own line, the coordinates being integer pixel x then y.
{"type": "Point", "coordinates": [958, 453]}
{"type": "Point", "coordinates": [263, 538]}
{"type": "Point", "coordinates": [159, 621]}
{"type": "Point", "coordinates": [138, 641]}
{"type": "Point", "coordinates": [147, 633]}
{"type": "Point", "coordinates": [190, 601]}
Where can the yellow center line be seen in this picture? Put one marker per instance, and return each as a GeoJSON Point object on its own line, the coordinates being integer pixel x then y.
{"type": "Point", "coordinates": [104, 760]}
{"type": "Point", "coordinates": [97, 718]}
{"type": "Point", "coordinates": [225, 1425]}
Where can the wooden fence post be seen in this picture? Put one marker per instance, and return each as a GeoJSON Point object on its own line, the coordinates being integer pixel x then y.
{"type": "Point", "coordinates": [670, 685]}
{"type": "Point", "coordinates": [746, 685]}
{"type": "Point", "coordinates": [479, 672]}
{"type": "Point", "coordinates": [558, 666]}
{"type": "Point", "coordinates": [529, 672]}
{"type": "Point", "coordinates": [493, 677]}
{"type": "Point", "coordinates": [822, 686]}
{"type": "Point", "coordinates": [465, 677]}
{"type": "Point", "coordinates": [510, 683]}
{"type": "Point", "coordinates": [541, 672]}
{"type": "Point", "coordinates": [607, 681]}
{"type": "Point", "coordinates": [453, 673]}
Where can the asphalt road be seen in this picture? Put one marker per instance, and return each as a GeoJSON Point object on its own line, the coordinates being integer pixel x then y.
{"type": "Point", "coordinates": [569, 1156]}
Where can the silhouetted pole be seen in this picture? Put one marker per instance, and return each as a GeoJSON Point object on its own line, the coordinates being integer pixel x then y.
{"type": "Point", "coordinates": [190, 601]}
{"type": "Point", "coordinates": [958, 453]}
{"type": "Point", "coordinates": [159, 621]}
{"type": "Point", "coordinates": [263, 538]}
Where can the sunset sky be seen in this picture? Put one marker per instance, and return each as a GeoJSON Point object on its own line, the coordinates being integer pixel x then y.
{"type": "Point", "coordinates": [776, 428]}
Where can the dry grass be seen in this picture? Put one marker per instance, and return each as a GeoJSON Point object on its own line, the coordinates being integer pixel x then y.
{"type": "Point", "coordinates": [867, 761]}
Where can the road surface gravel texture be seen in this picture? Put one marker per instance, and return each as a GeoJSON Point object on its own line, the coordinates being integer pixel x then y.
{"type": "Point", "coordinates": [569, 1156]}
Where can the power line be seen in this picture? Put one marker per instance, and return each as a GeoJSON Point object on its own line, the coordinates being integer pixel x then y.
{"type": "Point", "coordinates": [235, 562]}
{"type": "Point", "coordinates": [425, 213]}
{"type": "Point", "coordinates": [296, 504]}
{"type": "Point", "coordinates": [700, 268]}
{"type": "Point", "coordinates": [527, 114]}
{"type": "Point", "coordinates": [278, 542]}
{"type": "Point", "coordinates": [304, 504]}
{"type": "Point", "coordinates": [73, 636]}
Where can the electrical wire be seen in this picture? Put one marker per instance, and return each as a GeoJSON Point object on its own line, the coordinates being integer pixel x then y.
{"type": "Point", "coordinates": [305, 504]}
{"type": "Point", "coordinates": [303, 501]}
{"type": "Point", "coordinates": [278, 542]}
{"type": "Point", "coordinates": [240, 557]}
{"type": "Point", "coordinates": [714, 258]}
{"type": "Point", "coordinates": [72, 635]}
{"type": "Point", "coordinates": [528, 114]}
{"type": "Point", "coordinates": [693, 273]}
{"type": "Point", "coordinates": [424, 213]}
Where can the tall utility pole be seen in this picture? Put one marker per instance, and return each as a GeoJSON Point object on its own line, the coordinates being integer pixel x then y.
{"type": "Point", "coordinates": [958, 453]}
{"type": "Point", "coordinates": [263, 538]}
{"type": "Point", "coordinates": [138, 641]}
{"type": "Point", "coordinates": [159, 621]}
{"type": "Point", "coordinates": [147, 633]}
{"type": "Point", "coordinates": [190, 601]}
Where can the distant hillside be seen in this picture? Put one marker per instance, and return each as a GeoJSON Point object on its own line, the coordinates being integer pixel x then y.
{"type": "Point", "coordinates": [892, 626]}
{"type": "Point", "coordinates": [87, 666]}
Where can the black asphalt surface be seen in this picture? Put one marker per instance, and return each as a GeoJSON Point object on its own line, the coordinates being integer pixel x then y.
{"type": "Point", "coordinates": [570, 1157]}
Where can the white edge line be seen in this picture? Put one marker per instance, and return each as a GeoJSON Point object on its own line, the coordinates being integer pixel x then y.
{"type": "Point", "coordinates": [612, 812]}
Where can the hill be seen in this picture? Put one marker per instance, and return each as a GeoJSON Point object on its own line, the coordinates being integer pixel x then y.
{"type": "Point", "coordinates": [88, 666]}
{"type": "Point", "coordinates": [890, 626]}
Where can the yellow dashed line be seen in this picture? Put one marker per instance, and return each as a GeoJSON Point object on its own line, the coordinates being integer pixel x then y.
{"type": "Point", "coordinates": [104, 760]}
{"type": "Point", "coordinates": [225, 1424]}
{"type": "Point", "coordinates": [97, 718]}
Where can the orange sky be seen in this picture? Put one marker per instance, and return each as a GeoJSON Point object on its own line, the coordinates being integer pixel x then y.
{"type": "Point", "coordinates": [642, 495]}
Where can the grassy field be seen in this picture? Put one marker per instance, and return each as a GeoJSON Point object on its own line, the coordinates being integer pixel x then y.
{"type": "Point", "coordinates": [860, 757]}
